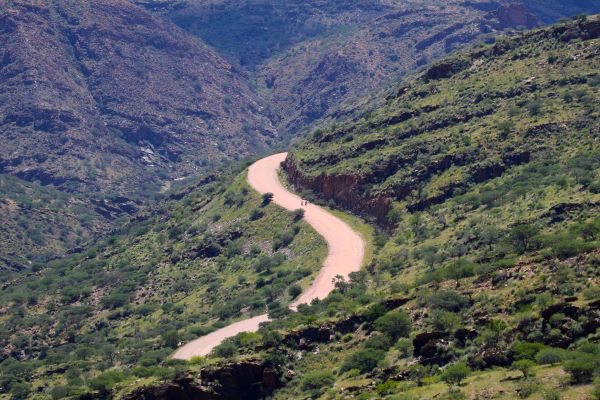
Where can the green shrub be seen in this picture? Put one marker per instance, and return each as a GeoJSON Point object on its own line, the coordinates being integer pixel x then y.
{"type": "Point", "coordinates": [256, 214]}
{"type": "Point", "coordinates": [581, 369]}
{"type": "Point", "coordinates": [456, 373]}
{"type": "Point", "coordinates": [60, 392]}
{"type": "Point", "coordinates": [596, 390]}
{"type": "Point", "coordinates": [524, 366]}
{"type": "Point", "coordinates": [267, 198]}
{"type": "Point", "coordinates": [527, 350]}
{"type": "Point", "coordinates": [226, 349]}
{"type": "Point", "coordinates": [405, 347]}
{"type": "Point", "coordinates": [107, 380]}
{"type": "Point", "coordinates": [551, 394]}
{"type": "Point", "coordinates": [364, 360]}
{"type": "Point", "coordinates": [448, 300]}
{"type": "Point", "coordinates": [378, 342]}
{"type": "Point", "coordinates": [315, 382]}
{"type": "Point", "coordinates": [549, 356]}
{"type": "Point", "coordinates": [294, 291]}
{"type": "Point", "coordinates": [298, 214]}
{"type": "Point", "coordinates": [527, 388]}
{"type": "Point", "coordinates": [396, 324]}
{"type": "Point", "coordinates": [522, 237]}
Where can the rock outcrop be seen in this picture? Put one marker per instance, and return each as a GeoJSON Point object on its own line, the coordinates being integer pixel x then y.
{"type": "Point", "coordinates": [236, 381]}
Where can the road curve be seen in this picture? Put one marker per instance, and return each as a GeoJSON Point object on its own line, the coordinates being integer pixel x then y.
{"type": "Point", "coordinates": [346, 252]}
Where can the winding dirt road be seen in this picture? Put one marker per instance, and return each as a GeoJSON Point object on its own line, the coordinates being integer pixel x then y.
{"type": "Point", "coordinates": [346, 252]}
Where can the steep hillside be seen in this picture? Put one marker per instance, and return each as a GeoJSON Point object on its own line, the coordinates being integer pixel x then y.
{"type": "Point", "coordinates": [483, 172]}
{"type": "Point", "coordinates": [105, 96]}
{"type": "Point", "coordinates": [211, 253]}
{"type": "Point", "coordinates": [102, 102]}
{"type": "Point", "coordinates": [307, 57]}
{"type": "Point", "coordinates": [40, 222]}
{"type": "Point", "coordinates": [454, 127]}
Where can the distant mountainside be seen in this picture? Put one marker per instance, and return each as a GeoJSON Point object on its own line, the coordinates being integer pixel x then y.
{"type": "Point", "coordinates": [307, 57]}
{"type": "Point", "coordinates": [109, 101]}
{"type": "Point", "coordinates": [105, 96]}
{"type": "Point", "coordinates": [481, 173]}
{"type": "Point", "coordinates": [463, 121]}
{"type": "Point", "coordinates": [103, 102]}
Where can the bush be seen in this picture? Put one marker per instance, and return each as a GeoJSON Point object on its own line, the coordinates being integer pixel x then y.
{"type": "Point", "coordinates": [225, 350]}
{"type": "Point", "coordinates": [534, 107]}
{"type": "Point", "coordinates": [267, 198]}
{"type": "Point", "coordinates": [448, 300]}
{"type": "Point", "coordinates": [396, 324]}
{"type": "Point", "coordinates": [364, 360]}
{"type": "Point", "coordinates": [522, 237]}
{"type": "Point", "coordinates": [60, 392]}
{"type": "Point", "coordinates": [581, 369]}
{"type": "Point", "coordinates": [548, 356]}
{"type": "Point", "coordinates": [315, 382]}
{"type": "Point", "coordinates": [378, 342]}
{"type": "Point", "coordinates": [298, 214]}
{"type": "Point", "coordinates": [527, 350]}
{"type": "Point", "coordinates": [527, 388]}
{"type": "Point", "coordinates": [551, 394]}
{"type": "Point", "coordinates": [405, 347]}
{"type": "Point", "coordinates": [294, 291]}
{"type": "Point", "coordinates": [456, 373]}
{"type": "Point", "coordinates": [524, 366]}
{"type": "Point", "coordinates": [107, 380]}
{"type": "Point", "coordinates": [256, 214]}
{"type": "Point", "coordinates": [596, 390]}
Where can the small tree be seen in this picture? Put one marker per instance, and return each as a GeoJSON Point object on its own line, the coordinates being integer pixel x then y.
{"type": "Point", "coordinates": [456, 373]}
{"type": "Point", "coordinates": [315, 382]}
{"type": "Point", "coordinates": [294, 291]}
{"type": "Point", "coordinates": [521, 237]}
{"type": "Point", "coordinates": [524, 366]}
{"type": "Point", "coordinates": [396, 324]}
{"type": "Point", "coordinates": [581, 369]}
{"type": "Point", "coordinates": [171, 338]}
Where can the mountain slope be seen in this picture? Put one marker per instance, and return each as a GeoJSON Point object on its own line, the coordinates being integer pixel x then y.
{"type": "Point", "coordinates": [453, 127]}
{"type": "Point", "coordinates": [105, 96]}
{"type": "Point", "coordinates": [105, 103]}
{"type": "Point", "coordinates": [308, 57]}
{"type": "Point", "coordinates": [213, 252]}
{"type": "Point", "coordinates": [483, 171]}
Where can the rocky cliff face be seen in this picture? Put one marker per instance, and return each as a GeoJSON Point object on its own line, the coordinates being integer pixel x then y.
{"type": "Point", "coordinates": [104, 95]}
{"type": "Point", "coordinates": [344, 190]}
{"type": "Point", "coordinates": [236, 381]}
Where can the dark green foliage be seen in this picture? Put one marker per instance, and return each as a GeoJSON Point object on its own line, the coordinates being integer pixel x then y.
{"type": "Point", "coordinates": [396, 324]}
{"type": "Point", "coordinates": [456, 373]}
{"type": "Point", "coordinates": [315, 383]}
{"type": "Point", "coordinates": [448, 300]}
{"type": "Point", "coordinates": [226, 349]}
{"type": "Point", "coordinates": [294, 291]}
{"type": "Point", "coordinates": [581, 368]}
{"type": "Point", "coordinates": [549, 356]}
{"type": "Point", "coordinates": [524, 366]}
{"type": "Point", "coordinates": [107, 380]}
{"type": "Point", "coordinates": [298, 214]}
{"type": "Point", "coordinates": [364, 360]}
{"type": "Point", "coordinates": [266, 199]}
{"type": "Point", "coordinates": [256, 214]}
{"type": "Point", "coordinates": [522, 237]}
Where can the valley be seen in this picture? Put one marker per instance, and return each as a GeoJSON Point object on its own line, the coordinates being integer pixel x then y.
{"type": "Point", "coordinates": [365, 199]}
